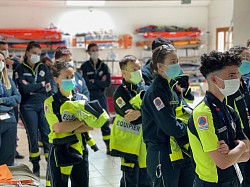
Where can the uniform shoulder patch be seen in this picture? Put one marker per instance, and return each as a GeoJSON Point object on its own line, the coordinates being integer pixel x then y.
{"type": "Point", "coordinates": [46, 109]}
{"type": "Point", "coordinates": [120, 102]}
{"type": "Point", "coordinates": [158, 103]}
{"type": "Point", "coordinates": [202, 122]}
{"type": "Point", "coordinates": [42, 73]}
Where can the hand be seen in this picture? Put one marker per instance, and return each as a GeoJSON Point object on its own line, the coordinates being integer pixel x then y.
{"type": "Point", "coordinates": [132, 115]}
{"type": "Point", "coordinates": [25, 82]}
{"type": "Point", "coordinates": [43, 83]}
{"type": "Point", "coordinates": [223, 147]}
{"type": "Point", "coordinates": [92, 81]}
{"type": "Point", "coordinates": [9, 61]}
{"type": "Point", "coordinates": [48, 87]}
{"type": "Point", "coordinates": [240, 144]}
{"type": "Point", "coordinates": [104, 78]}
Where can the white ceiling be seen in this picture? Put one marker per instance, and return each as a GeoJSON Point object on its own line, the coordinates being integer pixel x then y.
{"type": "Point", "coordinates": [108, 3]}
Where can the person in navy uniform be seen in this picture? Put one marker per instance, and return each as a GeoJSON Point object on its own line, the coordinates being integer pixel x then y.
{"type": "Point", "coordinates": [161, 128]}
{"type": "Point", "coordinates": [9, 98]}
{"type": "Point", "coordinates": [33, 80]}
{"type": "Point", "coordinates": [240, 102]}
{"type": "Point", "coordinates": [97, 76]}
{"type": "Point", "coordinates": [131, 87]}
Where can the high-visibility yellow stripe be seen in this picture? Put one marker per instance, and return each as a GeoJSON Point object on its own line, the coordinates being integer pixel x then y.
{"type": "Point", "coordinates": [40, 144]}
{"type": "Point", "coordinates": [91, 142]}
{"type": "Point", "coordinates": [34, 155]}
{"type": "Point", "coordinates": [106, 137]}
{"type": "Point", "coordinates": [48, 183]}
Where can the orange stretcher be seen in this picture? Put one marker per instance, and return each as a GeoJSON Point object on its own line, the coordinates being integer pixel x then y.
{"type": "Point", "coordinates": [172, 34]}
{"type": "Point", "coordinates": [37, 34]}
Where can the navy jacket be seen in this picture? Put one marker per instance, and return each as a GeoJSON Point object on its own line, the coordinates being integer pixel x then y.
{"type": "Point", "coordinates": [10, 98]}
{"type": "Point", "coordinates": [158, 115]}
{"type": "Point", "coordinates": [96, 89]}
{"type": "Point", "coordinates": [146, 73]}
{"type": "Point", "coordinates": [125, 92]}
{"type": "Point", "coordinates": [33, 92]}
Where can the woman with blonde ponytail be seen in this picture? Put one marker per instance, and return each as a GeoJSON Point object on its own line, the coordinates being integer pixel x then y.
{"type": "Point", "coordinates": [9, 98]}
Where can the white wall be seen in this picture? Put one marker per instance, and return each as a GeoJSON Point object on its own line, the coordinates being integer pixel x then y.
{"type": "Point", "coordinates": [241, 22]}
{"type": "Point", "coordinates": [220, 14]}
{"type": "Point", "coordinates": [120, 20]}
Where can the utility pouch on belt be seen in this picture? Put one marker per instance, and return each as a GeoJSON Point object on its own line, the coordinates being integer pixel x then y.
{"type": "Point", "coordinates": [65, 154]}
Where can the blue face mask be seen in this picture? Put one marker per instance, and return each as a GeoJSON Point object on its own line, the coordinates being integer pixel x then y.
{"type": "Point", "coordinates": [244, 67]}
{"type": "Point", "coordinates": [173, 70]}
{"type": "Point", "coordinates": [68, 84]}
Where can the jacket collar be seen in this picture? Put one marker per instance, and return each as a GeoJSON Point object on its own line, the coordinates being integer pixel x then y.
{"type": "Point", "coordinates": [211, 97]}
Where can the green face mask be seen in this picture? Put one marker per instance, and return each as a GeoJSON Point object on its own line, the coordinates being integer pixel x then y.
{"type": "Point", "coordinates": [135, 77]}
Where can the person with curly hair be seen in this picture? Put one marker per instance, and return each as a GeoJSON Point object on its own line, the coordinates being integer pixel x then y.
{"type": "Point", "coordinates": [240, 102]}
{"type": "Point", "coordinates": [215, 134]}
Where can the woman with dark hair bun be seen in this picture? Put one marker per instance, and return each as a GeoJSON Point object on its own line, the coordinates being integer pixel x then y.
{"type": "Point", "coordinates": [33, 80]}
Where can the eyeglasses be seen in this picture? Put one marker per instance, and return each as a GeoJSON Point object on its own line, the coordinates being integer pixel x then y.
{"type": "Point", "coordinates": [165, 48]}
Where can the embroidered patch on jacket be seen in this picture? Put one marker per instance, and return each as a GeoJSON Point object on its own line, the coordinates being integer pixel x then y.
{"type": "Point", "coordinates": [158, 103]}
{"type": "Point", "coordinates": [202, 122]}
{"type": "Point", "coordinates": [120, 102]}
{"type": "Point", "coordinates": [42, 73]}
{"type": "Point", "coordinates": [46, 109]}
{"type": "Point", "coordinates": [100, 73]}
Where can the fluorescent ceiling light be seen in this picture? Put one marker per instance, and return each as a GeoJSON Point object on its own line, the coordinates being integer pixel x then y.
{"type": "Point", "coordinates": [85, 3]}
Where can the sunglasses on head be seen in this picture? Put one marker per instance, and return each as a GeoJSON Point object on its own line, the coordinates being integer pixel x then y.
{"type": "Point", "coordinates": [165, 48]}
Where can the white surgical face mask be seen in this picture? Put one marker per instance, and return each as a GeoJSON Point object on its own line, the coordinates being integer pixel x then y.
{"type": "Point", "coordinates": [94, 55]}
{"type": "Point", "coordinates": [135, 77]}
{"type": "Point", "coordinates": [231, 86]}
{"type": "Point", "coordinates": [34, 58]}
{"type": "Point", "coordinates": [1, 65]}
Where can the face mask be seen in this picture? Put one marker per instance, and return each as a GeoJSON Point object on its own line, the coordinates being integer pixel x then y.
{"type": "Point", "coordinates": [71, 63]}
{"type": "Point", "coordinates": [135, 77]}
{"type": "Point", "coordinates": [6, 53]}
{"type": "Point", "coordinates": [94, 55]}
{"type": "Point", "coordinates": [68, 84]}
{"type": "Point", "coordinates": [34, 58]}
{"type": "Point", "coordinates": [1, 65]}
{"type": "Point", "coordinates": [231, 86]}
{"type": "Point", "coordinates": [173, 71]}
{"type": "Point", "coordinates": [244, 67]}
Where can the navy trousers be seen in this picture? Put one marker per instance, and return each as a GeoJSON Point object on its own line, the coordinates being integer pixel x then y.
{"type": "Point", "coordinates": [79, 176]}
{"type": "Point", "coordinates": [33, 118]}
{"type": "Point", "coordinates": [163, 174]}
{"type": "Point", "coordinates": [137, 178]}
{"type": "Point", "coordinates": [8, 133]}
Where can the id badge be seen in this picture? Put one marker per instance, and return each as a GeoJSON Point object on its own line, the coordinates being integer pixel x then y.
{"type": "Point", "coordinates": [4, 116]}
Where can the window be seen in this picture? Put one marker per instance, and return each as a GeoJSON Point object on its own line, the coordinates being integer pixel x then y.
{"type": "Point", "coordinates": [224, 39]}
